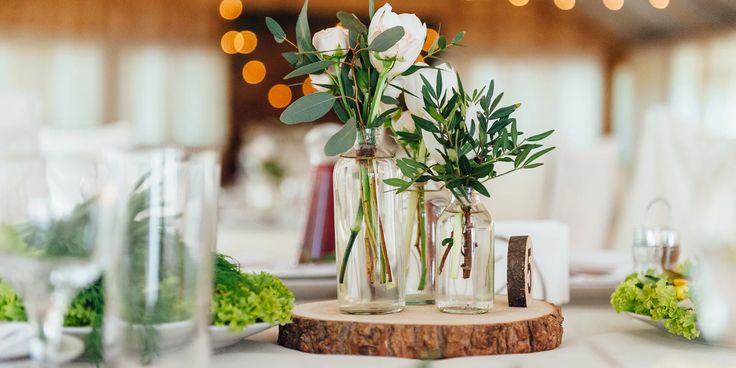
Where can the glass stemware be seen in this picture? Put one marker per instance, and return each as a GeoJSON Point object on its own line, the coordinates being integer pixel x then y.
{"type": "Point", "coordinates": [49, 226]}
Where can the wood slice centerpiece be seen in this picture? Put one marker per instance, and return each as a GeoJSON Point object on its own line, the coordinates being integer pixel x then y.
{"type": "Point", "coordinates": [423, 332]}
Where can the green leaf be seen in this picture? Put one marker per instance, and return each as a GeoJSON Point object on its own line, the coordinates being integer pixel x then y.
{"type": "Point", "coordinates": [538, 155]}
{"type": "Point", "coordinates": [531, 166]}
{"type": "Point", "coordinates": [406, 169]}
{"type": "Point", "coordinates": [480, 188]}
{"type": "Point", "coordinates": [522, 156]}
{"type": "Point", "coordinates": [371, 8]}
{"type": "Point", "coordinates": [459, 36]}
{"type": "Point", "coordinates": [389, 100]}
{"type": "Point", "coordinates": [310, 68]}
{"type": "Point", "coordinates": [291, 57]}
{"type": "Point", "coordinates": [396, 182]}
{"type": "Point", "coordinates": [514, 132]}
{"type": "Point", "coordinates": [351, 22]}
{"type": "Point", "coordinates": [273, 26]}
{"type": "Point", "coordinates": [386, 39]}
{"type": "Point", "coordinates": [308, 108]}
{"type": "Point", "coordinates": [504, 111]}
{"type": "Point", "coordinates": [342, 140]}
{"type": "Point", "coordinates": [540, 136]}
{"type": "Point", "coordinates": [497, 100]}
{"type": "Point", "coordinates": [442, 42]}
{"type": "Point", "coordinates": [425, 124]}
{"type": "Point", "coordinates": [303, 34]}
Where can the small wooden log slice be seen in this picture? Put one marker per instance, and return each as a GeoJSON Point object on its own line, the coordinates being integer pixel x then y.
{"type": "Point", "coordinates": [422, 331]}
{"type": "Point", "coordinates": [519, 271]}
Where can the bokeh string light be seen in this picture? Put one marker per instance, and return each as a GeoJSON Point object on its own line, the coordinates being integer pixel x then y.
{"type": "Point", "coordinates": [231, 9]}
{"type": "Point", "coordinates": [279, 96]}
{"type": "Point", "coordinates": [565, 4]}
{"type": "Point", "coordinates": [254, 72]}
{"type": "Point", "coordinates": [614, 4]}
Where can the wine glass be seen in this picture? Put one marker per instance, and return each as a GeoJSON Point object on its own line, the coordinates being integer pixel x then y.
{"type": "Point", "coordinates": [49, 224]}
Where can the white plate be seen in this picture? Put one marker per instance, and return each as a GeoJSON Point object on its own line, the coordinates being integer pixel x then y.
{"type": "Point", "coordinates": [69, 349]}
{"type": "Point", "coordinates": [658, 324]}
{"type": "Point", "coordinates": [174, 333]}
{"type": "Point", "coordinates": [221, 336]}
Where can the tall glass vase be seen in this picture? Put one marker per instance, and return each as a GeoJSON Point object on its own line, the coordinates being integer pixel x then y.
{"type": "Point", "coordinates": [159, 289]}
{"type": "Point", "coordinates": [422, 206]}
{"type": "Point", "coordinates": [367, 236]}
{"type": "Point", "coordinates": [464, 251]}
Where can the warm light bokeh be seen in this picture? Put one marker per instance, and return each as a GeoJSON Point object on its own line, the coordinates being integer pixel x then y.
{"type": "Point", "coordinates": [229, 40]}
{"type": "Point", "coordinates": [565, 4]}
{"type": "Point", "coordinates": [614, 4]}
{"type": "Point", "coordinates": [430, 40]}
{"type": "Point", "coordinates": [519, 2]}
{"type": "Point", "coordinates": [250, 41]}
{"type": "Point", "coordinates": [659, 4]}
{"type": "Point", "coordinates": [307, 87]}
{"type": "Point", "coordinates": [254, 72]}
{"type": "Point", "coordinates": [231, 9]}
{"type": "Point", "coordinates": [279, 96]}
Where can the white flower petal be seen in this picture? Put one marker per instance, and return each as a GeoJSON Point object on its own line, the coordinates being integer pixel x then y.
{"type": "Point", "coordinates": [328, 41]}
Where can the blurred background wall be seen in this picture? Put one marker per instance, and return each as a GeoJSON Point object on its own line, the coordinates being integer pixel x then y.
{"type": "Point", "coordinates": [207, 73]}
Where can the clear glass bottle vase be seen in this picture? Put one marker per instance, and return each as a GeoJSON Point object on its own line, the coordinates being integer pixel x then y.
{"type": "Point", "coordinates": [367, 236]}
{"type": "Point", "coordinates": [464, 256]}
{"type": "Point", "coordinates": [422, 206]}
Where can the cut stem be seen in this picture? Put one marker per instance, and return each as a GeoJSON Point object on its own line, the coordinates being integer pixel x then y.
{"type": "Point", "coordinates": [467, 242]}
{"type": "Point", "coordinates": [422, 239]}
{"type": "Point", "coordinates": [354, 230]}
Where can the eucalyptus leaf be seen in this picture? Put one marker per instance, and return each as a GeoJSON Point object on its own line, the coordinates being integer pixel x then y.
{"type": "Point", "coordinates": [273, 26]}
{"type": "Point", "coordinates": [308, 108]}
{"type": "Point", "coordinates": [310, 68]}
{"type": "Point", "coordinates": [303, 34]}
{"type": "Point", "coordinates": [291, 57]}
{"type": "Point", "coordinates": [386, 39]}
{"type": "Point", "coordinates": [351, 22]}
{"type": "Point", "coordinates": [343, 139]}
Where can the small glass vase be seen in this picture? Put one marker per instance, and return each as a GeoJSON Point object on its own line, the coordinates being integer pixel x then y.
{"type": "Point", "coordinates": [464, 251]}
{"type": "Point", "coordinates": [422, 206]}
{"type": "Point", "coordinates": [367, 236]}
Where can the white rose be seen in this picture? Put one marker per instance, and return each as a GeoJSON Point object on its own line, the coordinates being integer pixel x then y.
{"type": "Point", "coordinates": [413, 84]}
{"type": "Point", "coordinates": [405, 123]}
{"type": "Point", "coordinates": [407, 49]}
{"type": "Point", "coordinates": [331, 42]}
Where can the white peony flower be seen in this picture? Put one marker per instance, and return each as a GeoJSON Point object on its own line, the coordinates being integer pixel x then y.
{"type": "Point", "coordinates": [405, 123]}
{"type": "Point", "coordinates": [407, 49]}
{"type": "Point", "coordinates": [414, 84]}
{"type": "Point", "coordinates": [331, 42]}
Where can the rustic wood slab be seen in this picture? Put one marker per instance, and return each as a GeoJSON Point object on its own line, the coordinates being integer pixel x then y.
{"type": "Point", "coordinates": [422, 331]}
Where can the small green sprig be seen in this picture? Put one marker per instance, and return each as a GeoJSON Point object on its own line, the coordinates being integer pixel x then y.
{"type": "Point", "coordinates": [472, 147]}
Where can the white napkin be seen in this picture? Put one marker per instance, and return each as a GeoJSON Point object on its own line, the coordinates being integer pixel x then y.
{"type": "Point", "coordinates": [551, 269]}
{"type": "Point", "coordinates": [14, 340]}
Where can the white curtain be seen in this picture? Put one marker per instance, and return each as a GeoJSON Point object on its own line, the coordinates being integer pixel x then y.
{"type": "Point", "coordinates": [169, 94]}
{"type": "Point", "coordinates": [694, 79]}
